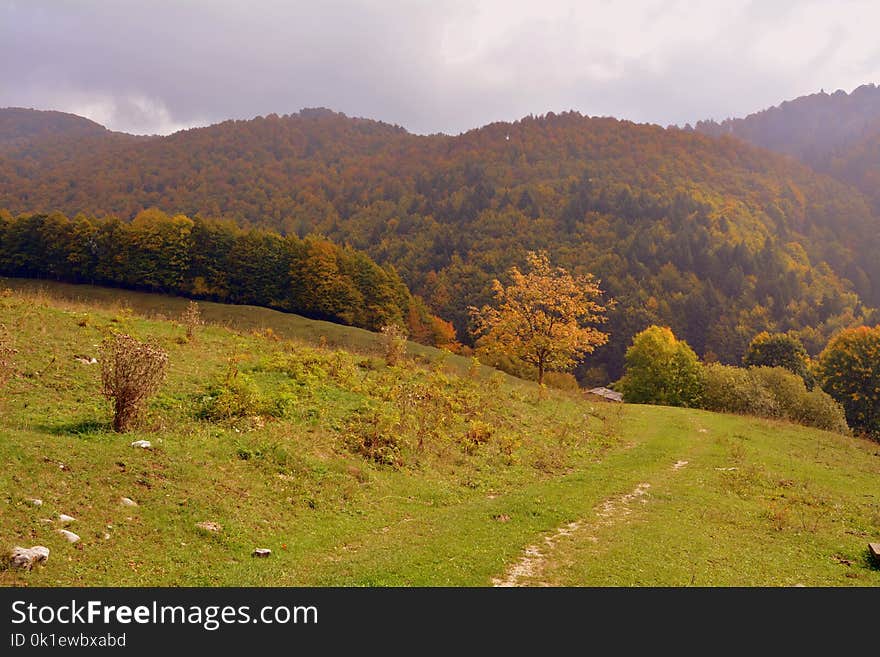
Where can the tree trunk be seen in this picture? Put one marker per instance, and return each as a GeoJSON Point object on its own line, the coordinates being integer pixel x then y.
{"type": "Point", "coordinates": [540, 373]}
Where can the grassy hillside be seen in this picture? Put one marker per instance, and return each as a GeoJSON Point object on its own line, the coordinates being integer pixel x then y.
{"type": "Point", "coordinates": [487, 469]}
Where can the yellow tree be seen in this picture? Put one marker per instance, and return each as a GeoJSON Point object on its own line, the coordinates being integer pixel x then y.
{"type": "Point", "coordinates": [543, 317]}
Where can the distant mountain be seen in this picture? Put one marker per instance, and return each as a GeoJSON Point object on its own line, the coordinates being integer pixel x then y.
{"type": "Point", "coordinates": [713, 237]}
{"type": "Point", "coordinates": [835, 133]}
{"type": "Point", "coordinates": [19, 125]}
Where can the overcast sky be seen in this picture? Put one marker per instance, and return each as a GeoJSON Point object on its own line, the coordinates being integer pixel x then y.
{"type": "Point", "coordinates": [431, 66]}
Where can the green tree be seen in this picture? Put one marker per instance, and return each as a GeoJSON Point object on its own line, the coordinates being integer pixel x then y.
{"type": "Point", "coordinates": [779, 350]}
{"type": "Point", "coordinates": [542, 317]}
{"type": "Point", "coordinates": [849, 371]}
{"type": "Point", "coordinates": [661, 369]}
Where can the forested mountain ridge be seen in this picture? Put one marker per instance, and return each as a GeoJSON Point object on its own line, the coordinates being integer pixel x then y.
{"type": "Point", "coordinates": [713, 237]}
{"type": "Point", "coordinates": [19, 125]}
{"type": "Point", "coordinates": [836, 133]}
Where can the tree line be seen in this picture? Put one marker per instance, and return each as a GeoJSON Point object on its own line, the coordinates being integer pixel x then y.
{"type": "Point", "coordinates": [218, 261]}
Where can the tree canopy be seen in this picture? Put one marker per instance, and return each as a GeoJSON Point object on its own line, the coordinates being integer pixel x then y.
{"type": "Point", "coordinates": [219, 261]}
{"type": "Point", "coordinates": [543, 317]}
{"type": "Point", "coordinates": [779, 350]}
{"type": "Point", "coordinates": [661, 369]}
{"type": "Point", "coordinates": [849, 369]}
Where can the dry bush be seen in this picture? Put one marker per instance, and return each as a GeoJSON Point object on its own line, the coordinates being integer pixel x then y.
{"type": "Point", "coordinates": [394, 337]}
{"type": "Point", "coordinates": [191, 318]}
{"type": "Point", "coordinates": [131, 371]}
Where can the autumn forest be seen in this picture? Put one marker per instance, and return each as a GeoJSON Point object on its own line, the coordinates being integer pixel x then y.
{"type": "Point", "coordinates": [710, 235]}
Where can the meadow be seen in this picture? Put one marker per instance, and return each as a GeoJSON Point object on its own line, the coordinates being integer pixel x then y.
{"type": "Point", "coordinates": [295, 435]}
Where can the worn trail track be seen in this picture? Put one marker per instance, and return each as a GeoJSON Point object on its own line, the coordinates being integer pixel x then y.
{"type": "Point", "coordinates": [609, 512]}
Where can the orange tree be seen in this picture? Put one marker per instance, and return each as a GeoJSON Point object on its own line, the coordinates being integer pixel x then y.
{"type": "Point", "coordinates": [849, 369]}
{"type": "Point", "coordinates": [543, 317]}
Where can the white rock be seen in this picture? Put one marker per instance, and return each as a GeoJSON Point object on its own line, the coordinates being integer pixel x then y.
{"type": "Point", "coordinates": [70, 536]}
{"type": "Point", "coordinates": [261, 552]}
{"type": "Point", "coordinates": [45, 521]}
{"type": "Point", "coordinates": [144, 444]}
{"type": "Point", "coordinates": [127, 501]}
{"type": "Point", "coordinates": [27, 558]}
{"type": "Point", "coordinates": [65, 519]}
{"type": "Point", "coordinates": [34, 501]}
{"type": "Point", "coordinates": [209, 526]}
{"type": "Point", "coordinates": [106, 537]}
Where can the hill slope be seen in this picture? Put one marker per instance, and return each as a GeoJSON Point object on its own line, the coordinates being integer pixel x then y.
{"type": "Point", "coordinates": [723, 500]}
{"type": "Point", "coordinates": [835, 133]}
{"type": "Point", "coordinates": [18, 125]}
{"type": "Point", "coordinates": [715, 238]}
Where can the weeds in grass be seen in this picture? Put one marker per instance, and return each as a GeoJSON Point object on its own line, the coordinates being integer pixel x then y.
{"type": "Point", "coordinates": [479, 433]}
{"type": "Point", "coordinates": [473, 371]}
{"type": "Point", "coordinates": [508, 446]}
{"type": "Point", "coordinates": [123, 315]}
{"type": "Point", "coordinates": [235, 396]}
{"type": "Point", "coordinates": [7, 355]}
{"type": "Point", "coordinates": [375, 436]}
{"type": "Point", "coordinates": [778, 517]}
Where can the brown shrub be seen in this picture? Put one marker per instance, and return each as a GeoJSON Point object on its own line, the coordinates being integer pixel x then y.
{"type": "Point", "coordinates": [191, 318]}
{"type": "Point", "coordinates": [131, 371]}
{"type": "Point", "coordinates": [395, 343]}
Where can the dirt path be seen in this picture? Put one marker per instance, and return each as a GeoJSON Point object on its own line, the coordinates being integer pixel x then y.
{"type": "Point", "coordinates": [608, 513]}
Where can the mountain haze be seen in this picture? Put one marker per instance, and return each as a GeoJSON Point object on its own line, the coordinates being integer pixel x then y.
{"type": "Point", "coordinates": [836, 133]}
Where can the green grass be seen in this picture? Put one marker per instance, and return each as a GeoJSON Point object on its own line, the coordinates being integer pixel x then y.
{"type": "Point", "coordinates": [798, 507]}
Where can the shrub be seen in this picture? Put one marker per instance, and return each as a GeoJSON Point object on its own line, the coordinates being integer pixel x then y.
{"type": "Point", "coordinates": [661, 370]}
{"type": "Point", "coordinates": [561, 381]}
{"type": "Point", "coordinates": [771, 392]}
{"type": "Point", "coordinates": [375, 437]}
{"type": "Point", "coordinates": [234, 397]}
{"type": "Point", "coordinates": [131, 371]}
{"type": "Point", "coordinates": [849, 370]}
{"type": "Point", "coordinates": [780, 350]}
{"type": "Point", "coordinates": [394, 337]}
{"type": "Point", "coordinates": [473, 371]}
{"type": "Point", "coordinates": [191, 318]}
{"type": "Point", "coordinates": [786, 388]}
{"type": "Point", "coordinates": [479, 433]}
{"type": "Point", "coordinates": [818, 409]}
{"type": "Point", "coordinates": [729, 389]}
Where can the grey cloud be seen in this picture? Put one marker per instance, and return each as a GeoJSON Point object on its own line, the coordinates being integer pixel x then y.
{"type": "Point", "coordinates": [161, 65]}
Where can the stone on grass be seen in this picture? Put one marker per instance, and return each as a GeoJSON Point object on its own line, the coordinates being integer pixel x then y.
{"type": "Point", "coordinates": [261, 552]}
{"type": "Point", "coordinates": [209, 526]}
{"type": "Point", "coordinates": [27, 558]}
{"type": "Point", "coordinates": [143, 444]}
{"type": "Point", "coordinates": [35, 501]}
{"type": "Point", "coordinates": [127, 501]}
{"type": "Point", "coordinates": [874, 550]}
{"type": "Point", "coordinates": [70, 536]}
{"type": "Point", "coordinates": [65, 519]}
